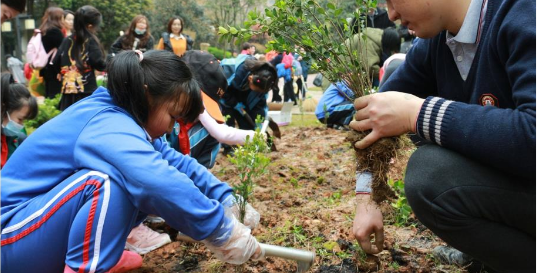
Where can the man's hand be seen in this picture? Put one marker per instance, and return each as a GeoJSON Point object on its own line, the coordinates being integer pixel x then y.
{"type": "Point", "coordinates": [368, 220]}
{"type": "Point", "coordinates": [386, 114]}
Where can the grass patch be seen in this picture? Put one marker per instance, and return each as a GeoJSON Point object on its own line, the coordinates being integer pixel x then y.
{"type": "Point", "coordinates": [304, 120]}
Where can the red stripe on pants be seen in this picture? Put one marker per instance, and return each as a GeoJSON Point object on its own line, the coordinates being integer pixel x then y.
{"type": "Point", "coordinates": [54, 209]}
{"type": "Point", "coordinates": [89, 226]}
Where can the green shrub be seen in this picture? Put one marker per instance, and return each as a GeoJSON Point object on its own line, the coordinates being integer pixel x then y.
{"type": "Point", "coordinates": [251, 162]}
{"type": "Point", "coordinates": [47, 111]}
{"type": "Point", "coordinates": [219, 53]}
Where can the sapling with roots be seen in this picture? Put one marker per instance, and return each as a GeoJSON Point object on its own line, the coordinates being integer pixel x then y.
{"type": "Point", "coordinates": [251, 162]}
{"type": "Point", "coordinates": [338, 51]}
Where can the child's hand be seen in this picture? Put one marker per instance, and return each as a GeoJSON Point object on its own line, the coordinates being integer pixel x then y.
{"type": "Point", "coordinates": [240, 245]}
{"type": "Point", "coordinates": [251, 217]}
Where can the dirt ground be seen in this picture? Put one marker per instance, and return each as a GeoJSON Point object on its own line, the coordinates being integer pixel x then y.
{"type": "Point", "coordinates": [307, 201]}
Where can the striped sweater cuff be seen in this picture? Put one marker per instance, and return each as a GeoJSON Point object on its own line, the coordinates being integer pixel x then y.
{"type": "Point", "coordinates": [433, 114]}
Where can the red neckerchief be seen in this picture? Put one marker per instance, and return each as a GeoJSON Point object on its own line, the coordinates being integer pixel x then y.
{"type": "Point", "coordinates": [182, 138]}
{"type": "Point", "coordinates": [4, 150]}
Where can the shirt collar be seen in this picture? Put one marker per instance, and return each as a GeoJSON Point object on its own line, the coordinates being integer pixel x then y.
{"type": "Point", "coordinates": [468, 32]}
{"type": "Point", "coordinates": [180, 36]}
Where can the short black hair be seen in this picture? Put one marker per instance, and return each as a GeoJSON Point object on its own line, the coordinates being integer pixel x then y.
{"type": "Point", "coordinates": [391, 41]}
{"type": "Point", "coordinates": [19, 5]}
{"type": "Point", "coordinates": [161, 73]}
{"type": "Point", "coordinates": [263, 73]}
{"type": "Point", "coordinates": [246, 46]}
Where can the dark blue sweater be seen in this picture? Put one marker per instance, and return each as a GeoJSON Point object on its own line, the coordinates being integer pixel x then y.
{"type": "Point", "coordinates": [491, 116]}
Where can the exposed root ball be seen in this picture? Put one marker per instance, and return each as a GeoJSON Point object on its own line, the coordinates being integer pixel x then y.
{"type": "Point", "coordinates": [376, 160]}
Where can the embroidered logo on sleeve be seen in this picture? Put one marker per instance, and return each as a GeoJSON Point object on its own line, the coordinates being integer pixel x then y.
{"type": "Point", "coordinates": [488, 100]}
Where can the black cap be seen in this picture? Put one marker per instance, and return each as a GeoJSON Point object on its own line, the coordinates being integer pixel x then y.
{"type": "Point", "coordinates": [208, 72]}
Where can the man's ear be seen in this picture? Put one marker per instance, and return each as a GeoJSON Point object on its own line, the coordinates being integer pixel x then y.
{"type": "Point", "coordinates": [250, 78]}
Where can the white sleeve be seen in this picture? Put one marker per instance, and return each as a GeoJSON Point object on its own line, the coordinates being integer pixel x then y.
{"type": "Point", "coordinates": [223, 133]}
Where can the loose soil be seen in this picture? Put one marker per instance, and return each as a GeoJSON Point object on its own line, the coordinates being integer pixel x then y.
{"type": "Point", "coordinates": [307, 201]}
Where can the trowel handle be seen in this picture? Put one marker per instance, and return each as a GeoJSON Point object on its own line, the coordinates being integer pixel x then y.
{"type": "Point", "coordinates": [288, 253]}
{"type": "Point", "coordinates": [264, 126]}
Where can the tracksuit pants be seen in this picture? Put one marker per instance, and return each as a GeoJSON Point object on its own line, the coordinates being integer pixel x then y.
{"type": "Point", "coordinates": [83, 222]}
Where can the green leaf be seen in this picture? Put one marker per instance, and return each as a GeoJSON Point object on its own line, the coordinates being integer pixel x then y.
{"type": "Point", "coordinates": [331, 6]}
{"type": "Point", "coordinates": [338, 12]}
{"type": "Point", "coordinates": [222, 30]}
{"type": "Point", "coordinates": [233, 30]}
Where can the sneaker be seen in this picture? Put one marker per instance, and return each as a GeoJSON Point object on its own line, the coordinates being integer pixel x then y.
{"type": "Point", "coordinates": [153, 219]}
{"type": "Point", "coordinates": [143, 239]}
{"type": "Point", "coordinates": [128, 261]}
{"type": "Point", "coordinates": [449, 255]}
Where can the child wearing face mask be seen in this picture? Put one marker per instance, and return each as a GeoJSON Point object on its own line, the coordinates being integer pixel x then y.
{"type": "Point", "coordinates": [137, 37]}
{"type": "Point", "coordinates": [18, 105]}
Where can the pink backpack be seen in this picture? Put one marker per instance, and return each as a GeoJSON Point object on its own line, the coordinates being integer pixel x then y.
{"type": "Point", "coordinates": [287, 60]}
{"type": "Point", "coordinates": [36, 55]}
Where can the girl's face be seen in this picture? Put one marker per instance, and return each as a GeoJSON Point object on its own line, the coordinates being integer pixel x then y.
{"type": "Point", "coordinates": [141, 25]}
{"type": "Point", "coordinates": [177, 26]}
{"type": "Point", "coordinates": [17, 116]}
{"type": "Point", "coordinates": [69, 19]}
{"type": "Point", "coordinates": [162, 118]}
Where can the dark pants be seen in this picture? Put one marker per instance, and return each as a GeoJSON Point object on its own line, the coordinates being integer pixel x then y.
{"type": "Point", "coordinates": [52, 85]}
{"type": "Point", "coordinates": [301, 90]}
{"type": "Point", "coordinates": [485, 213]}
{"type": "Point", "coordinates": [288, 93]}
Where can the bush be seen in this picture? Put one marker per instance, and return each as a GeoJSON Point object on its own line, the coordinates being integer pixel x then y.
{"type": "Point", "coordinates": [219, 53]}
{"type": "Point", "coordinates": [47, 111]}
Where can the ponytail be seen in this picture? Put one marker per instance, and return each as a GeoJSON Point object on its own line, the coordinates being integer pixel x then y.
{"type": "Point", "coordinates": [159, 73]}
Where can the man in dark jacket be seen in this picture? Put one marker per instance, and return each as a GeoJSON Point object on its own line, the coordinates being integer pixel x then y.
{"type": "Point", "coordinates": [469, 87]}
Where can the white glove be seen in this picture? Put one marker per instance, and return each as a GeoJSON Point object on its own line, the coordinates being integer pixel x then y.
{"type": "Point", "coordinates": [251, 218]}
{"type": "Point", "coordinates": [233, 243]}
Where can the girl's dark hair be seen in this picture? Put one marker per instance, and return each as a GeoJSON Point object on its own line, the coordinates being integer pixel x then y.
{"type": "Point", "coordinates": [18, 5]}
{"type": "Point", "coordinates": [162, 74]}
{"type": "Point", "coordinates": [391, 41]}
{"type": "Point", "coordinates": [264, 74]}
{"type": "Point", "coordinates": [67, 12]}
{"type": "Point", "coordinates": [170, 23]}
{"type": "Point", "coordinates": [53, 18]}
{"type": "Point", "coordinates": [84, 16]}
{"type": "Point", "coordinates": [129, 35]}
{"type": "Point", "coordinates": [15, 96]}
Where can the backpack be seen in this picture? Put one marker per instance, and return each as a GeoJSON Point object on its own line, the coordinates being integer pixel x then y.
{"type": "Point", "coordinates": [287, 60]}
{"type": "Point", "coordinates": [230, 65]}
{"type": "Point", "coordinates": [36, 55]}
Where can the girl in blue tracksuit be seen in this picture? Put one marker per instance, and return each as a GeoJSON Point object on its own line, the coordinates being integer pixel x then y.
{"type": "Point", "coordinates": [101, 166]}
